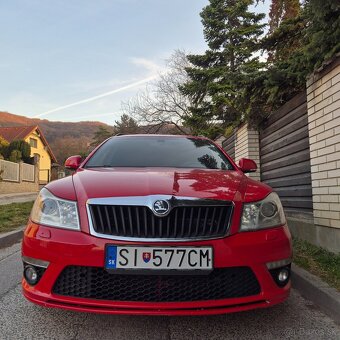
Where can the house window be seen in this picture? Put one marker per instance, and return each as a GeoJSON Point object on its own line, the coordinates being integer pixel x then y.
{"type": "Point", "coordinates": [33, 143]}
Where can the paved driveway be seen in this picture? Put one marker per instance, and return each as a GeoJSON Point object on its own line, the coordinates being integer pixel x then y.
{"type": "Point", "coordinates": [19, 319]}
{"type": "Point", "coordinates": [17, 198]}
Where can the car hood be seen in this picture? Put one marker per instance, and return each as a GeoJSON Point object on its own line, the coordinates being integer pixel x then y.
{"type": "Point", "coordinates": [110, 182]}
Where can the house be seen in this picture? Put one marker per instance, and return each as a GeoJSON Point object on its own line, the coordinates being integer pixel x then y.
{"type": "Point", "coordinates": [40, 148]}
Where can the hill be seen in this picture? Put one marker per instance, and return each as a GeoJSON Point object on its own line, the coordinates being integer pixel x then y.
{"type": "Point", "coordinates": [65, 138]}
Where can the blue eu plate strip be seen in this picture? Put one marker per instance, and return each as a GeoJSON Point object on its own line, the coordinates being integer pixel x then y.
{"type": "Point", "coordinates": [111, 257]}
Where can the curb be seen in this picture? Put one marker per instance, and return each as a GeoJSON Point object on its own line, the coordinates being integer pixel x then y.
{"type": "Point", "coordinates": [8, 239]}
{"type": "Point", "coordinates": [320, 293]}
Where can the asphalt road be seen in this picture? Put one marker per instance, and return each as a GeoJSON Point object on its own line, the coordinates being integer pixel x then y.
{"type": "Point", "coordinates": [19, 319]}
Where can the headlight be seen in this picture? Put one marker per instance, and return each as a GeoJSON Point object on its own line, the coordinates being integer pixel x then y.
{"type": "Point", "coordinates": [263, 214]}
{"type": "Point", "coordinates": [56, 212]}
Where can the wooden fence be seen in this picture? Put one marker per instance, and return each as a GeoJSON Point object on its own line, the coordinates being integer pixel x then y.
{"type": "Point", "coordinates": [285, 155]}
{"type": "Point", "coordinates": [229, 145]}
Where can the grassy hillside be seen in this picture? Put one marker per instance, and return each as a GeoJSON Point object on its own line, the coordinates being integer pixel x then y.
{"type": "Point", "coordinates": [64, 138]}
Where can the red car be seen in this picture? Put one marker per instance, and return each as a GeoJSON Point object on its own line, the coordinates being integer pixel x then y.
{"type": "Point", "coordinates": [152, 224]}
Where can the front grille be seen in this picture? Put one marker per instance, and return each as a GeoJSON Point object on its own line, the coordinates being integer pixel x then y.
{"type": "Point", "coordinates": [183, 222]}
{"type": "Point", "coordinates": [97, 283]}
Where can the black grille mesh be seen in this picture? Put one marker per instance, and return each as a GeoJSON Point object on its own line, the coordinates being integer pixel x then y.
{"type": "Point", "coordinates": [181, 222]}
{"type": "Point", "coordinates": [97, 283]}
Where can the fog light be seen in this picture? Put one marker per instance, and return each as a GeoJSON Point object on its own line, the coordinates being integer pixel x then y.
{"type": "Point", "coordinates": [31, 275]}
{"type": "Point", "coordinates": [283, 275]}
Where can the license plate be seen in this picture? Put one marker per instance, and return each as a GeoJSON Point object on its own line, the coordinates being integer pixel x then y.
{"type": "Point", "coordinates": [178, 258]}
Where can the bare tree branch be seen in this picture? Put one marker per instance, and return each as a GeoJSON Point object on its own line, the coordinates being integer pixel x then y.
{"type": "Point", "coordinates": [162, 102]}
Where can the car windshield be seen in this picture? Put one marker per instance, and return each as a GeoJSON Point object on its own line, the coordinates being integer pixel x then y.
{"type": "Point", "coordinates": [170, 152]}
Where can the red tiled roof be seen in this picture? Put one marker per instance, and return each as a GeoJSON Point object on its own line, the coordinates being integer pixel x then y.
{"type": "Point", "coordinates": [16, 132]}
{"type": "Point", "coordinates": [21, 132]}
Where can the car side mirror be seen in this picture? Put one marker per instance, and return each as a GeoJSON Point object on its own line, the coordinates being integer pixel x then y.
{"type": "Point", "coordinates": [247, 165]}
{"type": "Point", "coordinates": [73, 162]}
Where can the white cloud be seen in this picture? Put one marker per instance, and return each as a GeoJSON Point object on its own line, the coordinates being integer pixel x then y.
{"type": "Point", "coordinates": [148, 64]}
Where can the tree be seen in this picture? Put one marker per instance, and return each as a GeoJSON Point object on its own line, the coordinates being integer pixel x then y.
{"type": "Point", "coordinates": [68, 146]}
{"type": "Point", "coordinates": [218, 78]}
{"type": "Point", "coordinates": [18, 145]}
{"type": "Point", "coordinates": [126, 125]}
{"type": "Point", "coordinates": [285, 28]}
{"type": "Point", "coordinates": [322, 33]}
{"type": "Point", "coordinates": [103, 132]}
{"type": "Point", "coordinates": [282, 10]}
{"type": "Point", "coordinates": [162, 103]}
{"type": "Point", "coordinates": [3, 145]}
{"type": "Point", "coordinates": [299, 45]}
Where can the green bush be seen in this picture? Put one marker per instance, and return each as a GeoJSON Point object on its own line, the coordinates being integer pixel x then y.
{"type": "Point", "coordinates": [18, 145]}
{"type": "Point", "coordinates": [15, 156]}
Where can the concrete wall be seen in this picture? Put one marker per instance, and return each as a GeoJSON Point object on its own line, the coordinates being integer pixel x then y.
{"type": "Point", "coordinates": [323, 102]}
{"type": "Point", "coordinates": [247, 146]}
{"type": "Point", "coordinates": [21, 186]}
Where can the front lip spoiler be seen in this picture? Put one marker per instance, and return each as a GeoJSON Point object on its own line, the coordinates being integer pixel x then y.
{"type": "Point", "coordinates": [100, 309]}
{"type": "Point", "coordinates": [65, 304]}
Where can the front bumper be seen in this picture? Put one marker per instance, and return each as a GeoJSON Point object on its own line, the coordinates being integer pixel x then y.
{"type": "Point", "coordinates": [62, 248]}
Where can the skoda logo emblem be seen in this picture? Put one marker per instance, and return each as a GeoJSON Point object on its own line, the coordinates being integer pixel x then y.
{"type": "Point", "coordinates": [161, 207]}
